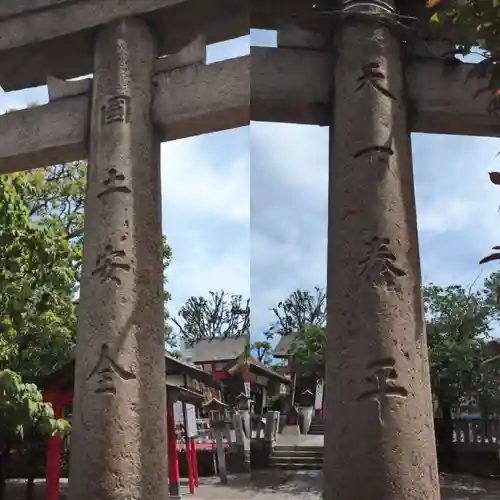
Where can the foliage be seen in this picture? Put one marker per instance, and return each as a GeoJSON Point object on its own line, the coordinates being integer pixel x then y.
{"type": "Point", "coordinates": [170, 340]}
{"type": "Point", "coordinates": [477, 24]}
{"type": "Point", "coordinates": [459, 324]}
{"type": "Point", "coordinates": [24, 418]}
{"type": "Point", "coordinates": [458, 329]}
{"type": "Point", "coordinates": [263, 350]}
{"type": "Point", "coordinates": [23, 411]}
{"type": "Point", "coordinates": [308, 350]}
{"type": "Point", "coordinates": [41, 238]}
{"type": "Point", "coordinates": [221, 315]}
{"type": "Point", "coordinates": [478, 27]}
{"type": "Point", "coordinates": [299, 309]}
{"type": "Point", "coordinates": [39, 275]}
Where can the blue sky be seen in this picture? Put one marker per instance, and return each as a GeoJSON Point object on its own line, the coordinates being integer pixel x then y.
{"type": "Point", "coordinates": [246, 210]}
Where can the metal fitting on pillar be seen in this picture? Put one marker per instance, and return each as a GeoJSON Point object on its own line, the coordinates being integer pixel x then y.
{"type": "Point", "coordinates": [372, 6]}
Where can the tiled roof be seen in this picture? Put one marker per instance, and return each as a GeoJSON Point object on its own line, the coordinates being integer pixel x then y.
{"type": "Point", "coordinates": [283, 347]}
{"type": "Point", "coordinates": [218, 349]}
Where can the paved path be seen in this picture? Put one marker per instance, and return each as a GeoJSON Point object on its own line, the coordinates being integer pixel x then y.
{"type": "Point", "coordinates": [281, 485]}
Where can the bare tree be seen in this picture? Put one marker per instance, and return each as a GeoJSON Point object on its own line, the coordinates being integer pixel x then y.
{"type": "Point", "coordinates": [220, 315]}
{"type": "Point", "coordinates": [299, 309]}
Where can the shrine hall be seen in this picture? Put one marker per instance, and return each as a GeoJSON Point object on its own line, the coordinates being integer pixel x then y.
{"type": "Point", "coordinates": [186, 384]}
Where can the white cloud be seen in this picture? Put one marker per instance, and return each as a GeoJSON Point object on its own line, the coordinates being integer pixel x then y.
{"type": "Point", "coordinates": [195, 270]}
{"type": "Point", "coordinates": [191, 180]}
{"type": "Point", "coordinates": [457, 209]}
{"type": "Point", "coordinates": [206, 214]}
{"type": "Point", "coordinates": [298, 153]}
{"type": "Point", "coordinates": [441, 215]}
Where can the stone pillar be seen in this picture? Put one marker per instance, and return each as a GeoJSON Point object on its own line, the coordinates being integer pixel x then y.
{"type": "Point", "coordinates": [119, 445]}
{"type": "Point", "coordinates": [318, 399]}
{"type": "Point", "coordinates": [218, 430]}
{"type": "Point", "coordinates": [271, 428]}
{"type": "Point", "coordinates": [379, 413]}
{"type": "Point", "coordinates": [242, 445]}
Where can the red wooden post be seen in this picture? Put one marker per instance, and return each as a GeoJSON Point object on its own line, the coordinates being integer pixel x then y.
{"type": "Point", "coordinates": [195, 462]}
{"type": "Point", "coordinates": [173, 459]}
{"type": "Point", "coordinates": [53, 459]}
{"type": "Point", "coordinates": [189, 460]}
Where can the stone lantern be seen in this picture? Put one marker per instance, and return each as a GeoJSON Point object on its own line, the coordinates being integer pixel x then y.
{"type": "Point", "coordinates": [307, 398]}
{"type": "Point", "coordinates": [218, 413]}
{"type": "Point", "coordinates": [243, 402]}
{"type": "Point", "coordinates": [244, 406]}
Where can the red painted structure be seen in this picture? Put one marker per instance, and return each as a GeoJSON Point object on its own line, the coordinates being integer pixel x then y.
{"type": "Point", "coordinates": [58, 399]}
{"type": "Point", "coordinates": [62, 398]}
{"type": "Point", "coordinates": [58, 390]}
{"type": "Point", "coordinates": [195, 462]}
{"type": "Point", "coordinates": [174, 477]}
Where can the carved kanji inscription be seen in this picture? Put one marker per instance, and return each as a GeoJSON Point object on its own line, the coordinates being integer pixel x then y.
{"type": "Point", "coordinates": [380, 264]}
{"type": "Point", "coordinates": [110, 263]}
{"type": "Point", "coordinates": [116, 109]}
{"type": "Point", "coordinates": [382, 378]}
{"type": "Point", "coordinates": [115, 183]}
{"type": "Point", "coordinates": [372, 75]}
{"type": "Point", "coordinates": [106, 370]}
{"type": "Point", "coordinates": [378, 154]}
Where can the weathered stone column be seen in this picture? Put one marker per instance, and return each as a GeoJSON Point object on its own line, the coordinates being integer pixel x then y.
{"type": "Point", "coordinates": [118, 448]}
{"type": "Point", "coordinates": [379, 429]}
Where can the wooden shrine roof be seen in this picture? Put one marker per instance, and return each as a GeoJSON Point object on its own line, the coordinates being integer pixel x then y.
{"type": "Point", "coordinates": [217, 349]}
{"type": "Point", "coordinates": [258, 368]}
{"type": "Point", "coordinates": [282, 349]}
{"type": "Point", "coordinates": [185, 395]}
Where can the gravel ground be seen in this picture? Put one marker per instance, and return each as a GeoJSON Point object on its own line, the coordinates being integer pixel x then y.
{"type": "Point", "coordinates": [303, 485]}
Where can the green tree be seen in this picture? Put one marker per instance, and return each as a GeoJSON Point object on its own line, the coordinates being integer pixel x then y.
{"type": "Point", "coordinates": [299, 309]}
{"type": "Point", "coordinates": [170, 340]}
{"type": "Point", "coordinates": [219, 315]}
{"type": "Point", "coordinates": [308, 350]}
{"type": "Point", "coordinates": [458, 330]}
{"type": "Point", "coordinates": [41, 238]}
{"type": "Point", "coordinates": [24, 417]}
{"type": "Point", "coordinates": [263, 350]}
{"type": "Point", "coordinates": [37, 313]}
{"type": "Point", "coordinates": [476, 26]}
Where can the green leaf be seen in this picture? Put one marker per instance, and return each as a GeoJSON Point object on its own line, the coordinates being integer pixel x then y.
{"type": "Point", "coordinates": [435, 18]}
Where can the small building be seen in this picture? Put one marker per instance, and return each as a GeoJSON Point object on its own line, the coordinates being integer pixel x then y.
{"type": "Point", "coordinates": [300, 386]}
{"type": "Point", "coordinates": [185, 384]}
{"type": "Point", "coordinates": [228, 359]}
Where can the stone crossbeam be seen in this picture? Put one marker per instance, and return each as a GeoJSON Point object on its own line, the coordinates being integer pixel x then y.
{"type": "Point", "coordinates": [191, 100]}
{"type": "Point", "coordinates": [46, 19]}
{"type": "Point", "coordinates": [39, 37]}
{"type": "Point", "coordinates": [274, 85]}
{"type": "Point", "coordinates": [59, 40]}
{"type": "Point", "coordinates": [442, 97]}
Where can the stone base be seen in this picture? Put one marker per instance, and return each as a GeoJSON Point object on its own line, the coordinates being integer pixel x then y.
{"type": "Point", "coordinates": [291, 430]}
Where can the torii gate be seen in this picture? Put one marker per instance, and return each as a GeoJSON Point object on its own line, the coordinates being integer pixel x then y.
{"type": "Point", "coordinates": [380, 440]}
